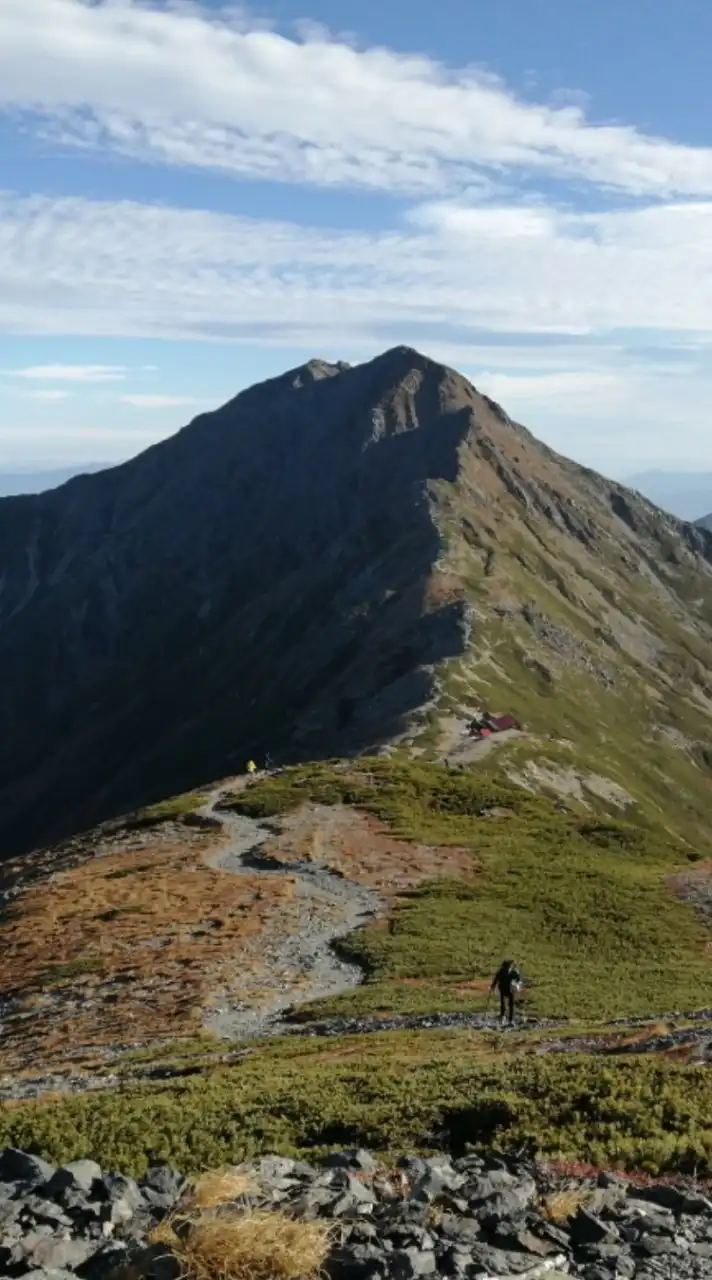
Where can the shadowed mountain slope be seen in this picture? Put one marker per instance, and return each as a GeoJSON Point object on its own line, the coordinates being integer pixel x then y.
{"type": "Point", "coordinates": [336, 559]}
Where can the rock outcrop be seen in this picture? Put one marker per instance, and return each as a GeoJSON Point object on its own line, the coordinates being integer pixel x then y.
{"type": "Point", "coordinates": [456, 1218]}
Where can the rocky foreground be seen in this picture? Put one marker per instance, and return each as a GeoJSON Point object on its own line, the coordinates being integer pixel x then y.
{"type": "Point", "coordinates": [477, 1216]}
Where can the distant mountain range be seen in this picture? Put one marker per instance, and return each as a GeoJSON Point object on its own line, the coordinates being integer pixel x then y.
{"type": "Point", "coordinates": [17, 482]}
{"type": "Point", "coordinates": [338, 560]}
{"type": "Point", "coordinates": [686, 494]}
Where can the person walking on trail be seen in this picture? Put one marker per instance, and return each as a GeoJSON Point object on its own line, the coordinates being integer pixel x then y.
{"type": "Point", "coordinates": [508, 981]}
{"type": "Point", "coordinates": [251, 767]}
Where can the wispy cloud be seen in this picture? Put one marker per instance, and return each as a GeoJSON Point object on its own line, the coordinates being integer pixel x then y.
{"type": "Point", "coordinates": [575, 387]}
{"type": "Point", "coordinates": [450, 274]}
{"type": "Point", "coordinates": [68, 373]}
{"type": "Point", "coordinates": [48, 395]}
{"type": "Point", "coordinates": [157, 401]}
{"type": "Point", "coordinates": [213, 88]}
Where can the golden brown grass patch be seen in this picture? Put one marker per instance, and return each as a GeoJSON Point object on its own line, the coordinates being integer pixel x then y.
{"type": "Point", "coordinates": [219, 1186]}
{"type": "Point", "coordinates": [651, 1030]}
{"type": "Point", "coordinates": [248, 1246]}
{"type": "Point", "coordinates": [260, 1246]}
{"type": "Point", "coordinates": [125, 945]}
{"type": "Point", "coordinates": [560, 1205]}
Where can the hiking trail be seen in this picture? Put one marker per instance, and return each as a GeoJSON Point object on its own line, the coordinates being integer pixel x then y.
{"type": "Point", "coordinates": [301, 964]}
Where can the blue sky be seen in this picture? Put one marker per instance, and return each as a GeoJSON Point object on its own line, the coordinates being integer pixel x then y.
{"type": "Point", "coordinates": [194, 197]}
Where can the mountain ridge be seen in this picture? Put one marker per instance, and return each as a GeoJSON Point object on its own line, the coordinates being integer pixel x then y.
{"type": "Point", "coordinates": [38, 480]}
{"type": "Point", "coordinates": [683, 493]}
{"type": "Point", "coordinates": [301, 571]}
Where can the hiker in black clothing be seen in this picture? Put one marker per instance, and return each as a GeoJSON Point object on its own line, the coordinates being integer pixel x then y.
{"type": "Point", "coordinates": [508, 980]}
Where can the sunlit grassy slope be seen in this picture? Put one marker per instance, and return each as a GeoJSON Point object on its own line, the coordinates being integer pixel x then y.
{"type": "Point", "coordinates": [581, 900]}
{"type": "Point", "coordinates": [391, 1093]}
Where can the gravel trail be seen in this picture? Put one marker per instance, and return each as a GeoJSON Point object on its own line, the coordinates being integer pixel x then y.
{"type": "Point", "coordinates": [371, 1024]}
{"type": "Point", "coordinates": [293, 962]}
{"type": "Point", "coordinates": [302, 964]}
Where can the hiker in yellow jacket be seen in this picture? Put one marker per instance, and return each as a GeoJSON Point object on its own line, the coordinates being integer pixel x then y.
{"type": "Point", "coordinates": [251, 767]}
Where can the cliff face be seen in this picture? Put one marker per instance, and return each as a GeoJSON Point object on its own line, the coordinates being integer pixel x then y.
{"type": "Point", "coordinates": [292, 573]}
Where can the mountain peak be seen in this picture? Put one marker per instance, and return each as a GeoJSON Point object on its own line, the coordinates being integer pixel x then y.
{"type": "Point", "coordinates": [302, 572]}
{"type": "Point", "coordinates": [315, 370]}
{"type": "Point", "coordinates": [399, 361]}
{"type": "Point", "coordinates": [403, 354]}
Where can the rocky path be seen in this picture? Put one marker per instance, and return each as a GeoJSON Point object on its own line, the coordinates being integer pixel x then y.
{"type": "Point", "coordinates": [612, 1039]}
{"type": "Point", "coordinates": [302, 964]}
{"type": "Point", "coordinates": [293, 962]}
{"type": "Point", "coordinates": [416, 1022]}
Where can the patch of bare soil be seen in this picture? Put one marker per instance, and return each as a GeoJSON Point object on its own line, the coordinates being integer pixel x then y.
{"type": "Point", "coordinates": [361, 848]}
{"type": "Point", "coordinates": [567, 782]}
{"type": "Point", "coordinates": [694, 885]}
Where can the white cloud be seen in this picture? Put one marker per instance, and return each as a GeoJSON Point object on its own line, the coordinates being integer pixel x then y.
{"type": "Point", "coordinates": [581, 389]}
{"type": "Point", "coordinates": [75, 266]}
{"type": "Point", "coordinates": [616, 420]}
{"type": "Point", "coordinates": [32, 445]}
{"type": "Point", "coordinates": [68, 373]}
{"type": "Point", "coordinates": [46, 395]}
{"type": "Point", "coordinates": [205, 87]}
{"type": "Point", "coordinates": [451, 275]}
{"type": "Point", "coordinates": [156, 402]}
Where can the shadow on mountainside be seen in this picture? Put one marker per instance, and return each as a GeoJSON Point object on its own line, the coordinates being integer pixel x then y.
{"type": "Point", "coordinates": [258, 583]}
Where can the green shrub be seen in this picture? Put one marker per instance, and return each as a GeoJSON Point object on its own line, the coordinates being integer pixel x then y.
{"type": "Point", "coordinates": [395, 1094]}
{"type": "Point", "coordinates": [72, 969]}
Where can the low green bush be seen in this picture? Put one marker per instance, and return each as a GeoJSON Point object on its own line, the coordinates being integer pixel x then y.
{"type": "Point", "coordinates": [392, 1094]}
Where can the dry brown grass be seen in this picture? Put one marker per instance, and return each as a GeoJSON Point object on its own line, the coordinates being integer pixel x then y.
{"type": "Point", "coordinates": [560, 1205]}
{"type": "Point", "coordinates": [259, 1246]}
{"type": "Point", "coordinates": [219, 1186]}
{"type": "Point", "coordinates": [237, 1243]}
{"type": "Point", "coordinates": [246, 1246]}
{"type": "Point", "coordinates": [651, 1030]}
{"type": "Point", "coordinates": [126, 945]}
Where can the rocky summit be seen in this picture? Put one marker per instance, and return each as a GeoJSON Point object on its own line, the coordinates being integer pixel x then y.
{"type": "Point", "coordinates": [338, 560]}
{"type": "Point", "coordinates": [459, 1218]}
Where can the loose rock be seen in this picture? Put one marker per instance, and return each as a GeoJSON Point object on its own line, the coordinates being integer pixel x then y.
{"type": "Point", "coordinates": [438, 1217]}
